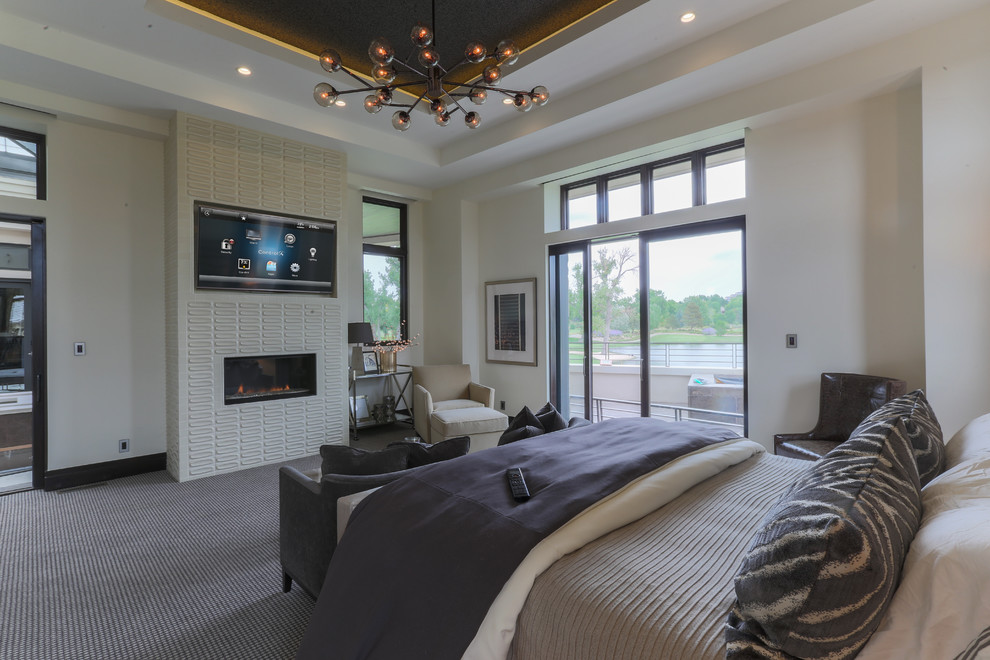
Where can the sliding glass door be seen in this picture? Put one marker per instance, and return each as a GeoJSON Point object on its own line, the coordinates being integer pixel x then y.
{"type": "Point", "coordinates": [651, 325]}
{"type": "Point", "coordinates": [569, 355]}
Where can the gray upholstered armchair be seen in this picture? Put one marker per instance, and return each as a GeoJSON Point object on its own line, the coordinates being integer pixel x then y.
{"type": "Point", "coordinates": [307, 502]}
{"type": "Point", "coordinates": [307, 505]}
{"type": "Point", "coordinates": [447, 403]}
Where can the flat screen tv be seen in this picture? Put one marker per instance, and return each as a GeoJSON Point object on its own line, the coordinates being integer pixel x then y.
{"type": "Point", "coordinates": [260, 251]}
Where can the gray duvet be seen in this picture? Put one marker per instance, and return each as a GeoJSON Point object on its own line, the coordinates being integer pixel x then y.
{"type": "Point", "coordinates": [658, 588]}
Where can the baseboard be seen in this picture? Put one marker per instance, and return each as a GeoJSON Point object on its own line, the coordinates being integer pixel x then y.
{"type": "Point", "coordinates": [88, 474]}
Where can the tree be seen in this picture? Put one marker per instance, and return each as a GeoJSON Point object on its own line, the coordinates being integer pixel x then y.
{"type": "Point", "coordinates": [382, 308]}
{"type": "Point", "coordinates": [693, 316]}
{"type": "Point", "coordinates": [608, 268]}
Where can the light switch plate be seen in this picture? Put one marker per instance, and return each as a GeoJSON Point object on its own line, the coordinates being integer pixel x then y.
{"type": "Point", "coordinates": [791, 341]}
{"type": "Point", "coordinates": [79, 348]}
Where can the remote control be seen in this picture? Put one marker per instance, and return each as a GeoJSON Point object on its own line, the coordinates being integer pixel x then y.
{"type": "Point", "coordinates": [520, 493]}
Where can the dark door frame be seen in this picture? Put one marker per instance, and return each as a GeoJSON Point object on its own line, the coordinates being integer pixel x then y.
{"type": "Point", "coordinates": [39, 353]}
{"type": "Point", "coordinates": [558, 334]}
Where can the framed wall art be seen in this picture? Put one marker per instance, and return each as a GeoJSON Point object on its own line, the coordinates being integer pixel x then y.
{"type": "Point", "coordinates": [510, 319]}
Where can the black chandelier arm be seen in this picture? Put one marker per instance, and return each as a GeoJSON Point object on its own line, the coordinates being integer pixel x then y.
{"type": "Point", "coordinates": [503, 90]}
{"type": "Point", "coordinates": [362, 81]}
{"type": "Point", "coordinates": [451, 96]}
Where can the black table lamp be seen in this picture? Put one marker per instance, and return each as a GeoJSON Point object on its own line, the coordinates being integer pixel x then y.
{"type": "Point", "coordinates": [359, 333]}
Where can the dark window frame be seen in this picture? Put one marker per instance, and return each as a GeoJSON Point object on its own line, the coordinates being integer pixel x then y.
{"type": "Point", "coordinates": [41, 159]}
{"type": "Point", "coordinates": [696, 158]}
{"type": "Point", "coordinates": [401, 253]}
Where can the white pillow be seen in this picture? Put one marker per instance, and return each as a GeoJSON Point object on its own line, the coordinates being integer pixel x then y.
{"type": "Point", "coordinates": [941, 604]}
{"type": "Point", "coordinates": [970, 441]}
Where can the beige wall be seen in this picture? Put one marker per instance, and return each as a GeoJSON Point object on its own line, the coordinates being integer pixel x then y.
{"type": "Point", "coordinates": [104, 266]}
{"type": "Point", "coordinates": [957, 225]}
{"type": "Point", "coordinates": [833, 254]}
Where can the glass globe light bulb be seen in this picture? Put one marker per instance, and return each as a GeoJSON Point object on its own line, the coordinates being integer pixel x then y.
{"type": "Point", "coordinates": [492, 74]}
{"type": "Point", "coordinates": [325, 94]}
{"type": "Point", "coordinates": [421, 35]}
{"type": "Point", "coordinates": [383, 73]}
{"type": "Point", "coordinates": [472, 119]}
{"type": "Point", "coordinates": [475, 52]}
{"type": "Point", "coordinates": [384, 95]}
{"type": "Point", "coordinates": [506, 52]}
{"type": "Point", "coordinates": [401, 120]}
{"type": "Point", "coordinates": [478, 96]}
{"type": "Point", "coordinates": [330, 60]}
{"type": "Point", "coordinates": [371, 104]}
{"type": "Point", "coordinates": [540, 95]}
{"type": "Point", "coordinates": [442, 118]}
{"type": "Point", "coordinates": [380, 51]}
{"type": "Point", "coordinates": [438, 106]}
{"type": "Point", "coordinates": [429, 57]}
{"type": "Point", "coordinates": [522, 102]}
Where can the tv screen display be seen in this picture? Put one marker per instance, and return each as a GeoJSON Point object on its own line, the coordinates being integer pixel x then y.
{"type": "Point", "coordinates": [260, 251]}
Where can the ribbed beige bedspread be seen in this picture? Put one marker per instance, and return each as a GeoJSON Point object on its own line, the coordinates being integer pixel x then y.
{"type": "Point", "coordinates": [659, 588]}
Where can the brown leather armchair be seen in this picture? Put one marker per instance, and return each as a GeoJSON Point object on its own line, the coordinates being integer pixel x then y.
{"type": "Point", "coordinates": [846, 400]}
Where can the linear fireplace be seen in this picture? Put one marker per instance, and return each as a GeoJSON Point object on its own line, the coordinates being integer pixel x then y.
{"type": "Point", "coordinates": [250, 379]}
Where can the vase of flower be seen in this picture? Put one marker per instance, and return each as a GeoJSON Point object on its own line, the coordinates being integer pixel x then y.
{"type": "Point", "coordinates": [386, 362]}
{"type": "Point", "coordinates": [387, 351]}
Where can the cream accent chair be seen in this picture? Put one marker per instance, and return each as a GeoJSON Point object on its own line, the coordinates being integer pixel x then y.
{"type": "Point", "coordinates": [447, 404]}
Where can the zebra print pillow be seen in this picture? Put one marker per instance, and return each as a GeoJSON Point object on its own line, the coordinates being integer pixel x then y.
{"type": "Point", "coordinates": [824, 564]}
{"type": "Point", "coordinates": [922, 428]}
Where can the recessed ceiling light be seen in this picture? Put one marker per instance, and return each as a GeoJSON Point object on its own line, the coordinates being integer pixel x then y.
{"type": "Point", "coordinates": [244, 71]}
{"type": "Point", "coordinates": [687, 17]}
{"type": "Point", "coordinates": [340, 103]}
{"type": "Point", "coordinates": [507, 101]}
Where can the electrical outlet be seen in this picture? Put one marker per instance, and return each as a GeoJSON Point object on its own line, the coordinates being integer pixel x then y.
{"type": "Point", "coordinates": [123, 446]}
{"type": "Point", "coordinates": [501, 405]}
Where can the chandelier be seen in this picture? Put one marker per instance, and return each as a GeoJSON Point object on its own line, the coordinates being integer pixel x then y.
{"type": "Point", "coordinates": [431, 83]}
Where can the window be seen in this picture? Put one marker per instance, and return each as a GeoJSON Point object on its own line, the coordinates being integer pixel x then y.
{"type": "Point", "coordinates": [22, 164]}
{"type": "Point", "coordinates": [581, 206]}
{"type": "Point", "coordinates": [725, 175]}
{"type": "Point", "coordinates": [385, 278]}
{"type": "Point", "coordinates": [673, 187]}
{"type": "Point", "coordinates": [625, 197]}
{"type": "Point", "coordinates": [706, 176]}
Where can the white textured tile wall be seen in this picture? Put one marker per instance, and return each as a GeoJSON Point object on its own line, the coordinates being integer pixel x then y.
{"type": "Point", "coordinates": [220, 163]}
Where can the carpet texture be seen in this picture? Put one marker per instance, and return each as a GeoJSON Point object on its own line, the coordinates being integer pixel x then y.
{"type": "Point", "coordinates": [146, 568]}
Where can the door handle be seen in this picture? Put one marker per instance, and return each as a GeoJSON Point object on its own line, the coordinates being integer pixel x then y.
{"type": "Point", "coordinates": [37, 388]}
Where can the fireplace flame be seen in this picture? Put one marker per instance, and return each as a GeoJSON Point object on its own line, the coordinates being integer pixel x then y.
{"type": "Point", "coordinates": [284, 388]}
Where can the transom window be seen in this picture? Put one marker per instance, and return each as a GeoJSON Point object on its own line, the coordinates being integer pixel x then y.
{"type": "Point", "coordinates": [706, 176]}
{"type": "Point", "coordinates": [22, 164]}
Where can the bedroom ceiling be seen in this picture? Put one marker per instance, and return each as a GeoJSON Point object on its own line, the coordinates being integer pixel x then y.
{"type": "Point", "coordinates": [627, 62]}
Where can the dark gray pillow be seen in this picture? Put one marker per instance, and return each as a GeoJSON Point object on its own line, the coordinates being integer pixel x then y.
{"type": "Point", "coordinates": [922, 428]}
{"type": "Point", "coordinates": [424, 454]}
{"type": "Point", "coordinates": [550, 419]}
{"type": "Point", "coordinates": [511, 435]}
{"type": "Point", "coordinates": [821, 570]}
{"type": "Point", "coordinates": [517, 429]}
{"type": "Point", "coordinates": [341, 459]}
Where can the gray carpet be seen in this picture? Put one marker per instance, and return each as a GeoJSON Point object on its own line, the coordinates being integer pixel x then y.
{"type": "Point", "coordinates": [145, 568]}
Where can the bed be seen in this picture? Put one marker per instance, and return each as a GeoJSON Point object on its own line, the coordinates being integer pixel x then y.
{"type": "Point", "coordinates": [673, 561]}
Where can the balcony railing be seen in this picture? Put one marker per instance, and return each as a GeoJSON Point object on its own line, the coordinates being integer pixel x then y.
{"type": "Point", "coordinates": [700, 356]}
{"type": "Point", "coordinates": [606, 408]}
